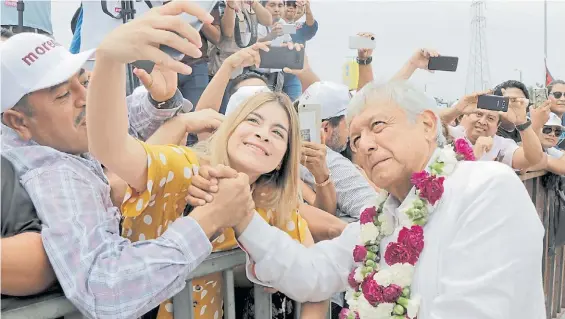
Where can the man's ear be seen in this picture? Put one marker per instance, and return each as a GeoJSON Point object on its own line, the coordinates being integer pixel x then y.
{"type": "Point", "coordinates": [326, 126]}
{"type": "Point", "coordinates": [18, 122]}
{"type": "Point", "coordinates": [429, 120]}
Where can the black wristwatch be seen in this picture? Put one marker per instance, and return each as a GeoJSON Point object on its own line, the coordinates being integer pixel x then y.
{"type": "Point", "coordinates": [523, 127]}
{"type": "Point", "coordinates": [174, 102]}
{"type": "Point", "coordinates": [367, 61]}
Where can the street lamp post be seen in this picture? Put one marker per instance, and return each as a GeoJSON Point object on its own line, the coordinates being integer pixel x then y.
{"type": "Point", "coordinates": [520, 72]}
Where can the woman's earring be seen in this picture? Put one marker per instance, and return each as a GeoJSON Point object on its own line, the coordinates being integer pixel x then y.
{"type": "Point", "coordinates": [278, 167]}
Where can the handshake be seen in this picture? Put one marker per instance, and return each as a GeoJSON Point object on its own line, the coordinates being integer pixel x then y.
{"type": "Point", "coordinates": [222, 198]}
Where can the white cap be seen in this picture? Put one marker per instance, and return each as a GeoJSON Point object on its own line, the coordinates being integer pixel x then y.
{"type": "Point", "coordinates": [32, 62]}
{"type": "Point", "coordinates": [332, 97]}
{"type": "Point", "coordinates": [242, 94]}
{"type": "Point", "coordinates": [554, 120]}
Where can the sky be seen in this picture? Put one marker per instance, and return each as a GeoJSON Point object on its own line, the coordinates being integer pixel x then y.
{"type": "Point", "coordinates": [514, 38]}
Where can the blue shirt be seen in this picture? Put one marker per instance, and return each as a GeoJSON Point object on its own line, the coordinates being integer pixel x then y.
{"type": "Point", "coordinates": [304, 32]}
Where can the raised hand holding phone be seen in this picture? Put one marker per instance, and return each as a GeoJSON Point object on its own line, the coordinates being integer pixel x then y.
{"type": "Point", "coordinates": [517, 109]}
{"type": "Point", "coordinates": [137, 39]}
{"type": "Point", "coordinates": [290, 56]}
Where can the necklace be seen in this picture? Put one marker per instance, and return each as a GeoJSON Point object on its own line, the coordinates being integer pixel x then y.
{"type": "Point", "coordinates": [376, 293]}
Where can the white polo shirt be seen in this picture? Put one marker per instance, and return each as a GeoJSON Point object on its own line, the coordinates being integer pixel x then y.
{"type": "Point", "coordinates": [502, 148]}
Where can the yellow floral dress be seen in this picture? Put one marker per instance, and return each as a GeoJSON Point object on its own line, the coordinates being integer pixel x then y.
{"type": "Point", "coordinates": [148, 214]}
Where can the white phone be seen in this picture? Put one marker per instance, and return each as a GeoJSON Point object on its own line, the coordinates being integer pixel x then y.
{"type": "Point", "coordinates": [310, 122]}
{"type": "Point", "coordinates": [357, 42]}
{"type": "Point", "coordinates": [289, 28]}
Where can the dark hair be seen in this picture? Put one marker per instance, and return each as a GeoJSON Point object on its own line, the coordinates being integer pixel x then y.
{"type": "Point", "coordinates": [242, 77]}
{"type": "Point", "coordinates": [511, 84]}
{"type": "Point", "coordinates": [550, 86]}
{"type": "Point", "coordinates": [291, 3]}
{"type": "Point", "coordinates": [6, 33]}
{"type": "Point", "coordinates": [23, 106]}
{"type": "Point", "coordinates": [334, 121]}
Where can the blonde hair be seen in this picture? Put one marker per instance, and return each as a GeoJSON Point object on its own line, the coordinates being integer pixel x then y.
{"type": "Point", "coordinates": [279, 187]}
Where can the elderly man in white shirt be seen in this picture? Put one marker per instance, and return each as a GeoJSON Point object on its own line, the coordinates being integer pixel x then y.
{"type": "Point", "coordinates": [483, 238]}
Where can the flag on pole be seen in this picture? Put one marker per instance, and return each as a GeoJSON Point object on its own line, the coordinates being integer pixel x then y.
{"type": "Point", "coordinates": [548, 76]}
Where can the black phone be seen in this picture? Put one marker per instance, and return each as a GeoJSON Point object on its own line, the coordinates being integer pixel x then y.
{"type": "Point", "coordinates": [282, 57]}
{"type": "Point", "coordinates": [443, 63]}
{"type": "Point", "coordinates": [493, 103]}
{"type": "Point", "coordinates": [207, 5]}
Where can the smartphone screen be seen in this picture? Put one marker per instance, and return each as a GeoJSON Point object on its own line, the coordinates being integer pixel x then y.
{"type": "Point", "coordinates": [443, 63]}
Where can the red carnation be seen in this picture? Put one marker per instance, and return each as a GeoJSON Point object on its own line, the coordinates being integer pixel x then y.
{"type": "Point", "coordinates": [348, 314]}
{"type": "Point", "coordinates": [397, 253]}
{"type": "Point", "coordinates": [359, 253]}
{"type": "Point", "coordinates": [418, 179]}
{"type": "Point", "coordinates": [372, 291]}
{"type": "Point", "coordinates": [463, 148]}
{"type": "Point", "coordinates": [432, 189]}
{"type": "Point", "coordinates": [391, 293]}
{"type": "Point", "coordinates": [351, 280]}
{"type": "Point", "coordinates": [412, 238]}
{"type": "Point", "coordinates": [367, 215]}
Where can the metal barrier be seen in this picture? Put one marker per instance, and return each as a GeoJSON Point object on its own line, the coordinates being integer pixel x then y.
{"type": "Point", "coordinates": [553, 263]}
{"type": "Point", "coordinates": [55, 305]}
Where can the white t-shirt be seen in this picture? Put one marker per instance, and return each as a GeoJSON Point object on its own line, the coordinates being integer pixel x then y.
{"type": "Point", "coordinates": [554, 152]}
{"type": "Point", "coordinates": [502, 148]}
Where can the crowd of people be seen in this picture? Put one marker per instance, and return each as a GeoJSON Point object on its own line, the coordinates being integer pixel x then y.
{"type": "Point", "coordinates": [116, 199]}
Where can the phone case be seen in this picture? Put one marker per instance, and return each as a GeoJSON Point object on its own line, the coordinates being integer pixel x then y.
{"type": "Point", "coordinates": [282, 57]}
{"type": "Point", "coordinates": [443, 63]}
{"type": "Point", "coordinates": [493, 103]}
{"type": "Point", "coordinates": [539, 96]}
{"type": "Point", "coordinates": [310, 122]}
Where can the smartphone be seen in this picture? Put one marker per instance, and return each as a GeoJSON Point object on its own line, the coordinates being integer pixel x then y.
{"type": "Point", "coordinates": [175, 54]}
{"type": "Point", "coordinates": [289, 28]}
{"type": "Point", "coordinates": [443, 63]}
{"type": "Point", "coordinates": [357, 42]}
{"type": "Point", "coordinates": [194, 22]}
{"type": "Point", "coordinates": [310, 119]}
{"type": "Point", "coordinates": [493, 103]}
{"type": "Point", "coordinates": [282, 57]}
{"type": "Point", "coordinates": [539, 97]}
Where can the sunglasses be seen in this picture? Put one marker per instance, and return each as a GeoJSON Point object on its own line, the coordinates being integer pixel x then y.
{"type": "Point", "coordinates": [558, 95]}
{"type": "Point", "coordinates": [549, 129]}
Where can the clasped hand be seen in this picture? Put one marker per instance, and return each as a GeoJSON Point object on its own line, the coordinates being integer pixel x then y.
{"type": "Point", "coordinates": [224, 188]}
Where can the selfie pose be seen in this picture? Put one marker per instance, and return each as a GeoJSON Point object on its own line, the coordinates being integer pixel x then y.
{"type": "Point", "coordinates": [442, 244]}
{"type": "Point", "coordinates": [259, 141]}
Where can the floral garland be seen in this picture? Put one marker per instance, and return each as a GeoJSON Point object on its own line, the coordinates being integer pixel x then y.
{"type": "Point", "coordinates": [385, 293]}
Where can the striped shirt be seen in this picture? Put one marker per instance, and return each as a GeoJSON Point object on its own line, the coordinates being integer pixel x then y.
{"type": "Point", "coordinates": [101, 273]}
{"type": "Point", "coordinates": [353, 192]}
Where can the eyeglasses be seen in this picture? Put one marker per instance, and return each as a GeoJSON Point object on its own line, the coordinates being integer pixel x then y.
{"type": "Point", "coordinates": [558, 95]}
{"type": "Point", "coordinates": [549, 129]}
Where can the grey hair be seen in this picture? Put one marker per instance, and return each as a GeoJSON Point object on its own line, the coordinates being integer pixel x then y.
{"type": "Point", "coordinates": [411, 100]}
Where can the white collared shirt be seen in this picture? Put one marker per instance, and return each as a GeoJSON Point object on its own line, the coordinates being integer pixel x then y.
{"type": "Point", "coordinates": [482, 256]}
{"type": "Point", "coordinates": [501, 147]}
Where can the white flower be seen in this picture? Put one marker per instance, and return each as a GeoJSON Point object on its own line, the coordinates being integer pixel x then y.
{"type": "Point", "coordinates": [402, 274]}
{"type": "Point", "coordinates": [413, 306]}
{"type": "Point", "coordinates": [383, 277]}
{"type": "Point", "coordinates": [358, 275]}
{"type": "Point", "coordinates": [351, 300]}
{"type": "Point", "coordinates": [448, 157]}
{"type": "Point", "coordinates": [383, 195]}
{"type": "Point", "coordinates": [369, 233]}
{"type": "Point", "coordinates": [382, 311]}
{"type": "Point", "coordinates": [365, 309]}
{"type": "Point", "coordinates": [387, 224]}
